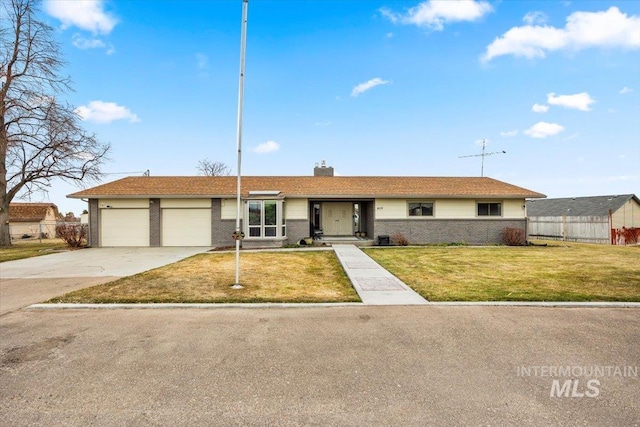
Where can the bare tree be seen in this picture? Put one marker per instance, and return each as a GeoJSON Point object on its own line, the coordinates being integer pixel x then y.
{"type": "Point", "coordinates": [40, 137]}
{"type": "Point", "coordinates": [208, 167]}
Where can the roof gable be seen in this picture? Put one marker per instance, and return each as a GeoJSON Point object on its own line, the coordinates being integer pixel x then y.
{"type": "Point", "coordinates": [30, 212]}
{"type": "Point", "coordinates": [308, 186]}
{"type": "Point", "coordinates": [578, 206]}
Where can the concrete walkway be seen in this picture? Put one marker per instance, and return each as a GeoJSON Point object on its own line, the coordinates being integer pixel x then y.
{"type": "Point", "coordinates": [374, 284]}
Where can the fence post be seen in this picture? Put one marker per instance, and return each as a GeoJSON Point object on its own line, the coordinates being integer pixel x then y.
{"type": "Point", "coordinates": [612, 236]}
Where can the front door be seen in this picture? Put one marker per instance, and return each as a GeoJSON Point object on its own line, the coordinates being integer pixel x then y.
{"type": "Point", "coordinates": [337, 219]}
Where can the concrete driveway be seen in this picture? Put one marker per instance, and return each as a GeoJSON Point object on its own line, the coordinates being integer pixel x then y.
{"type": "Point", "coordinates": [342, 366]}
{"type": "Point", "coordinates": [32, 280]}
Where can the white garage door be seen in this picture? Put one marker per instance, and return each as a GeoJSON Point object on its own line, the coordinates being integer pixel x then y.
{"type": "Point", "coordinates": [124, 227]}
{"type": "Point", "coordinates": [186, 227]}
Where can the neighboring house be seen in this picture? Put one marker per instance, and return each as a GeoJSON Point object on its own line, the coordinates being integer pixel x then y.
{"type": "Point", "coordinates": [597, 219]}
{"type": "Point", "coordinates": [32, 220]}
{"type": "Point", "coordinates": [201, 211]}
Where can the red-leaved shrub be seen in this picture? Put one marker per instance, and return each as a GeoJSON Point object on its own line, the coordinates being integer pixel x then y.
{"type": "Point", "coordinates": [512, 236]}
{"type": "Point", "coordinates": [74, 235]}
{"type": "Point", "coordinates": [399, 239]}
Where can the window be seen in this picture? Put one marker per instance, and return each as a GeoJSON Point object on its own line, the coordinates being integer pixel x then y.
{"type": "Point", "coordinates": [421, 209]}
{"type": "Point", "coordinates": [317, 223]}
{"type": "Point", "coordinates": [270, 216]}
{"type": "Point", "coordinates": [265, 217]}
{"type": "Point", "coordinates": [489, 209]}
{"type": "Point", "coordinates": [255, 218]}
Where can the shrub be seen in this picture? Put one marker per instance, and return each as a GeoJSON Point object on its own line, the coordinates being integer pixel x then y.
{"type": "Point", "coordinates": [74, 235]}
{"type": "Point", "coordinates": [513, 236]}
{"type": "Point", "coordinates": [399, 239]}
{"type": "Point", "coordinates": [625, 236]}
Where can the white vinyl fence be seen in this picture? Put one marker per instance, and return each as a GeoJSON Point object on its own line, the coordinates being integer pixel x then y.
{"type": "Point", "coordinates": [588, 229]}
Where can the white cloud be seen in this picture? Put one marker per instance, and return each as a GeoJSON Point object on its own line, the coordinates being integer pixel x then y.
{"type": "Point", "coordinates": [105, 112]}
{"type": "Point", "coordinates": [610, 28]}
{"type": "Point", "coordinates": [626, 90]}
{"type": "Point", "coordinates": [623, 178]}
{"type": "Point", "coordinates": [92, 43]}
{"type": "Point", "coordinates": [579, 101]}
{"type": "Point", "coordinates": [509, 133]}
{"type": "Point", "coordinates": [84, 156]}
{"type": "Point", "coordinates": [532, 18]}
{"type": "Point", "coordinates": [202, 61]}
{"type": "Point", "coordinates": [81, 43]}
{"type": "Point", "coordinates": [87, 15]}
{"type": "Point", "coordinates": [538, 108]}
{"type": "Point", "coordinates": [543, 130]}
{"type": "Point", "coordinates": [267, 147]}
{"type": "Point", "coordinates": [433, 14]}
{"type": "Point", "coordinates": [322, 124]}
{"type": "Point", "coordinates": [363, 87]}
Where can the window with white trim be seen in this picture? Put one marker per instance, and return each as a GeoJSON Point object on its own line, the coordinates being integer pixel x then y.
{"type": "Point", "coordinates": [265, 219]}
{"type": "Point", "coordinates": [489, 209]}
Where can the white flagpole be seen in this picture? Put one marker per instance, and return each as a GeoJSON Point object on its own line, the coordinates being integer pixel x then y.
{"type": "Point", "coordinates": [238, 233]}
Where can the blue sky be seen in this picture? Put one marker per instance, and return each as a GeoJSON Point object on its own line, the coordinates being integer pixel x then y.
{"type": "Point", "coordinates": [372, 87]}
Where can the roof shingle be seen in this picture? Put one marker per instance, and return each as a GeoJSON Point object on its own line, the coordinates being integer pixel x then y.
{"type": "Point", "coordinates": [578, 206]}
{"type": "Point", "coordinates": [30, 212]}
{"type": "Point", "coordinates": [308, 186]}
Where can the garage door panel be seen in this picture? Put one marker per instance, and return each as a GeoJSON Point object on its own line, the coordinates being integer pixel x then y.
{"type": "Point", "coordinates": [186, 227]}
{"type": "Point", "coordinates": [124, 227]}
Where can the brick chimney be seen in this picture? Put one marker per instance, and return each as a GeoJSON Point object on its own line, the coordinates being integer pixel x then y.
{"type": "Point", "coordinates": [323, 170]}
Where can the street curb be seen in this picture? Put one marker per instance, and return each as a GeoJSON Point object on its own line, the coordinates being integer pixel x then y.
{"type": "Point", "coordinates": [72, 306]}
{"type": "Point", "coordinates": [559, 304]}
{"type": "Point", "coordinates": [67, 306]}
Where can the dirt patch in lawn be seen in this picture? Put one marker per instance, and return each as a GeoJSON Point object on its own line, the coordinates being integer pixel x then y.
{"type": "Point", "coordinates": [558, 272]}
{"type": "Point", "coordinates": [266, 277]}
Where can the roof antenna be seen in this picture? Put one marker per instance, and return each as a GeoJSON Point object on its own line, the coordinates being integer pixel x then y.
{"type": "Point", "coordinates": [483, 155]}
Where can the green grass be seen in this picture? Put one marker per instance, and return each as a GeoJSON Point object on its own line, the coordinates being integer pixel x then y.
{"type": "Point", "coordinates": [559, 272]}
{"type": "Point", "coordinates": [291, 277]}
{"type": "Point", "coordinates": [21, 249]}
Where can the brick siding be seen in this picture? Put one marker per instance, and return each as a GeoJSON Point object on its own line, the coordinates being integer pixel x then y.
{"type": "Point", "coordinates": [221, 229]}
{"type": "Point", "coordinates": [470, 231]}
{"type": "Point", "coordinates": [94, 223]}
{"type": "Point", "coordinates": [297, 229]}
{"type": "Point", "coordinates": [155, 222]}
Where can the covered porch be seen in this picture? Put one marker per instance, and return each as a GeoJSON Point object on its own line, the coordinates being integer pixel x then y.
{"type": "Point", "coordinates": [341, 219]}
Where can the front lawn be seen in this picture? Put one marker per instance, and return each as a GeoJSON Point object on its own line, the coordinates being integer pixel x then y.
{"type": "Point", "coordinates": [558, 272]}
{"type": "Point", "coordinates": [267, 277]}
{"type": "Point", "coordinates": [21, 249]}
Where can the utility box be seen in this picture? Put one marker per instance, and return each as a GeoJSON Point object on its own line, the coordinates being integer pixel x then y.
{"type": "Point", "coordinates": [384, 240]}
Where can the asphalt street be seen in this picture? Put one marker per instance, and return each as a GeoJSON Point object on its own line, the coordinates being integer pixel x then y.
{"type": "Point", "coordinates": [351, 366]}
